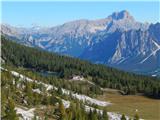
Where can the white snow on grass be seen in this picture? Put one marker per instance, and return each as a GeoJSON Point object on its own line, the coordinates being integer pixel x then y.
{"type": "Point", "coordinates": [47, 86]}
{"type": "Point", "coordinates": [84, 98]}
{"type": "Point", "coordinates": [83, 80]}
{"type": "Point", "coordinates": [36, 91]}
{"type": "Point", "coordinates": [25, 114]}
{"type": "Point", "coordinates": [88, 109]}
{"type": "Point", "coordinates": [115, 116]}
{"type": "Point", "coordinates": [66, 103]}
{"type": "Point", "coordinates": [111, 115]}
{"type": "Point", "coordinates": [77, 78]}
{"type": "Point", "coordinates": [22, 77]}
{"type": "Point", "coordinates": [90, 100]}
{"type": "Point", "coordinates": [3, 69]}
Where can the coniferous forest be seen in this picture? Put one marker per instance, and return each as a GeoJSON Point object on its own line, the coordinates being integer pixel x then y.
{"type": "Point", "coordinates": [65, 67]}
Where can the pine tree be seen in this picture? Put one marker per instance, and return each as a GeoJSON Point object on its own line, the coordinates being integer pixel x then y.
{"type": "Point", "coordinates": [72, 110]}
{"type": "Point", "coordinates": [62, 111]}
{"type": "Point", "coordinates": [105, 115]}
{"type": "Point", "coordinates": [69, 114]}
{"type": "Point", "coordinates": [94, 115]}
{"type": "Point", "coordinates": [10, 111]}
{"type": "Point", "coordinates": [59, 91]}
{"type": "Point", "coordinates": [90, 115]}
{"type": "Point", "coordinates": [36, 99]}
{"type": "Point", "coordinates": [46, 118]}
{"type": "Point", "coordinates": [35, 117]}
{"type": "Point", "coordinates": [136, 117]}
{"type": "Point", "coordinates": [123, 117]}
{"type": "Point", "coordinates": [53, 100]}
{"type": "Point", "coordinates": [29, 92]}
{"type": "Point", "coordinates": [45, 100]}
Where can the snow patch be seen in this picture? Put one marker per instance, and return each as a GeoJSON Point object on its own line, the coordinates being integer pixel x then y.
{"type": "Point", "coordinates": [88, 108]}
{"type": "Point", "coordinates": [26, 114]}
{"type": "Point", "coordinates": [3, 69]}
{"type": "Point", "coordinates": [154, 75]}
{"type": "Point", "coordinates": [37, 91]}
{"type": "Point", "coordinates": [85, 98]}
{"type": "Point", "coordinates": [66, 103]}
{"type": "Point", "coordinates": [153, 53]}
{"type": "Point", "coordinates": [77, 77]}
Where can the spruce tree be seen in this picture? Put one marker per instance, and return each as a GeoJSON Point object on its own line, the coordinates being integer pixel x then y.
{"type": "Point", "coordinates": [123, 117]}
{"type": "Point", "coordinates": [136, 117]}
{"type": "Point", "coordinates": [62, 111]}
{"type": "Point", "coordinates": [10, 111]}
{"type": "Point", "coordinates": [59, 91]}
{"type": "Point", "coordinates": [105, 115]}
{"type": "Point", "coordinates": [94, 115]}
{"type": "Point", "coordinates": [29, 92]}
{"type": "Point", "coordinates": [90, 114]}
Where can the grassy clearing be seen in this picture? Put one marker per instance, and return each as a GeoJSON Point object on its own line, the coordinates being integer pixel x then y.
{"type": "Point", "coordinates": [148, 109]}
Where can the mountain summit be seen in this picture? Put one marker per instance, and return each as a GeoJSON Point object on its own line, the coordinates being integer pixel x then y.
{"type": "Point", "coordinates": [118, 41]}
{"type": "Point", "coordinates": [121, 15]}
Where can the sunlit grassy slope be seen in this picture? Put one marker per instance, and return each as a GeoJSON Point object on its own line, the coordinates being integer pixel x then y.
{"type": "Point", "coordinates": [148, 109]}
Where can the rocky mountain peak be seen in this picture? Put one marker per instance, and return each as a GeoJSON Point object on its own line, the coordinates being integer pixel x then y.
{"type": "Point", "coordinates": [118, 40]}
{"type": "Point", "coordinates": [121, 15]}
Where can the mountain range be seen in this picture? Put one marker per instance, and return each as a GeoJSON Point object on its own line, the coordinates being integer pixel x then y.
{"type": "Point", "coordinates": [118, 41]}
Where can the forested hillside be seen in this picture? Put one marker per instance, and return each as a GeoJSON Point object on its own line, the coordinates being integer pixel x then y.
{"type": "Point", "coordinates": [66, 67]}
{"type": "Point", "coordinates": [33, 101]}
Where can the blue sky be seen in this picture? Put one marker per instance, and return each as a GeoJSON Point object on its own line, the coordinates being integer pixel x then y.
{"type": "Point", "coordinates": [56, 13]}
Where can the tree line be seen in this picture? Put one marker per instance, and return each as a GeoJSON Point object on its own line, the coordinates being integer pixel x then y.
{"type": "Point", "coordinates": [40, 60]}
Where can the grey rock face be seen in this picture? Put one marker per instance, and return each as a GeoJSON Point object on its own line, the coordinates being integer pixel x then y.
{"type": "Point", "coordinates": [117, 40]}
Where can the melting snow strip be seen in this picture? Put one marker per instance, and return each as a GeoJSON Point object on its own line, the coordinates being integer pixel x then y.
{"type": "Point", "coordinates": [67, 92]}
{"type": "Point", "coordinates": [66, 103]}
{"type": "Point", "coordinates": [36, 91]}
{"type": "Point", "coordinates": [25, 114]}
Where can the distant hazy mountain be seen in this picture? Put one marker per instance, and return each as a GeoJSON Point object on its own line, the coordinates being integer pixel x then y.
{"type": "Point", "coordinates": [118, 40]}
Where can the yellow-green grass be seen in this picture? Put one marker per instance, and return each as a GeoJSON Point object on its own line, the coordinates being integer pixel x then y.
{"type": "Point", "coordinates": [148, 109]}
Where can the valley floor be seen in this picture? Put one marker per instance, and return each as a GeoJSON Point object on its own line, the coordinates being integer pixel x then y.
{"type": "Point", "coordinates": [147, 108]}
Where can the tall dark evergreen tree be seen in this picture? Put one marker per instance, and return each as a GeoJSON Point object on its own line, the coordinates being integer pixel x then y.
{"type": "Point", "coordinates": [105, 115]}
{"type": "Point", "coordinates": [62, 114]}
{"type": "Point", "coordinates": [10, 111]}
{"type": "Point", "coordinates": [136, 117]}
{"type": "Point", "coordinates": [123, 117]}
